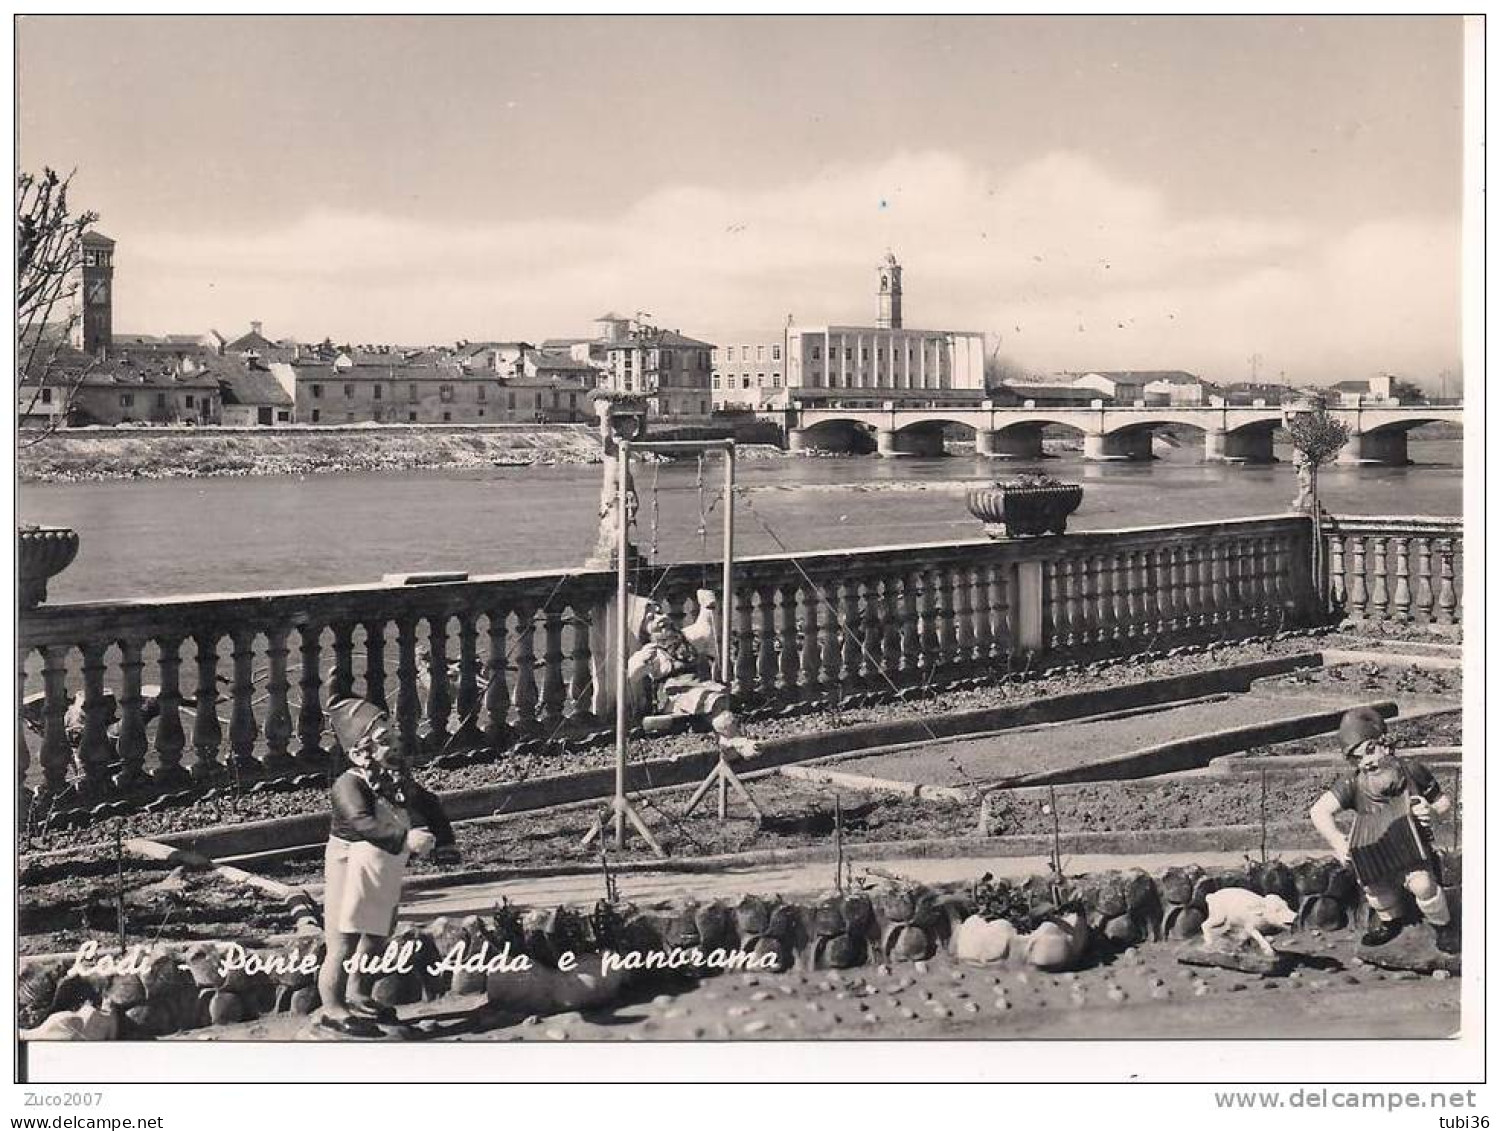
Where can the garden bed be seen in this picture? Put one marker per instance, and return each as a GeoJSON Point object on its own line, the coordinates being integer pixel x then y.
{"type": "Point", "coordinates": [67, 899]}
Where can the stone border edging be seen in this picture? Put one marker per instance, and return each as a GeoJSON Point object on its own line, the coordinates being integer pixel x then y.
{"type": "Point", "coordinates": [251, 837]}
{"type": "Point", "coordinates": [1426, 660]}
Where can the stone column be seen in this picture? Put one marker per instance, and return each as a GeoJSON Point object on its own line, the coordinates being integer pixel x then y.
{"type": "Point", "coordinates": [1019, 442]}
{"type": "Point", "coordinates": [796, 440]}
{"type": "Point", "coordinates": [1214, 445]}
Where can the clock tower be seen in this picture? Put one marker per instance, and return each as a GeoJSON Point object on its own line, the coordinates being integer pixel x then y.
{"type": "Point", "coordinates": [889, 316]}
{"type": "Point", "coordinates": [94, 328]}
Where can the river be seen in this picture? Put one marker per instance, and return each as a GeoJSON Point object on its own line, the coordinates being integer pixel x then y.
{"type": "Point", "coordinates": [174, 536]}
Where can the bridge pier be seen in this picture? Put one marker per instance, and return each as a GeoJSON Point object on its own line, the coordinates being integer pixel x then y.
{"type": "Point", "coordinates": [1248, 445]}
{"type": "Point", "coordinates": [1116, 447]}
{"type": "Point", "coordinates": [796, 440]}
{"type": "Point", "coordinates": [912, 442]}
{"type": "Point", "coordinates": [1009, 443]}
{"type": "Point", "coordinates": [1386, 448]}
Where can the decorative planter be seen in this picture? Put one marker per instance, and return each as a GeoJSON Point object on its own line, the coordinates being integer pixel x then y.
{"type": "Point", "coordinates": [42, 552]}
{"type": "Point", "coordinates": [1020, 511]}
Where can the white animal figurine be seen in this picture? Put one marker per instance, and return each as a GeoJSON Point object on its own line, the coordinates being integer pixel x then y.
{"type": "Point", "coordinates": [1239, 913]}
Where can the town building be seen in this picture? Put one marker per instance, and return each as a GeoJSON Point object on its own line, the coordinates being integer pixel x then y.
{"type": "Point", "coordinates": [394, 393]}
{"type": "Point", "coordinates": [1041, 394]}
{"type": "Point", "coordinates": [884, 362]}
{"type": "Point", "coordinates": [255, 346]}
{"type": "Point", "coordinates": [93, 317]}
{"type": "Point", "coordinates": [750, 373]}
{"type": "Point", "coordinates": [79, 389]}
{"type": "Point", "coordinates": [671, 371]}
{"type": "Point", "coordinates": [253, 396]}
{"type": "Point", "coordinates": [1352, 393]}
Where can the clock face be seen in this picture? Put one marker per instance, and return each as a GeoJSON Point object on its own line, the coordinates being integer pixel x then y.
{"type": "Point", "coordinates": [98, 291]}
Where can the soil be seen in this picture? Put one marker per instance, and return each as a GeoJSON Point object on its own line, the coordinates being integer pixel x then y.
{"type": "Point", "coordinates": [69, 899]}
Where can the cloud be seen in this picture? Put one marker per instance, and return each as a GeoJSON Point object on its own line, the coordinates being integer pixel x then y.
{"type": "Point", "coordinates": [1064, 263]}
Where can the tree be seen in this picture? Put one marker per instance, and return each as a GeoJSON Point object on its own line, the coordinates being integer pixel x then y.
{"type": "Point", "coordinates": [1408, 392]}
{"type": "Point", "coordinates": [999, 370]}
{"type": "Point", "coordinates": [1316, 439]}
{"type": "Point", "coordinates": [49, 254]}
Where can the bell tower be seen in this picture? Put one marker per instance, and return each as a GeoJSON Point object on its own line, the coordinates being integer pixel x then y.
{"type": "Point", "coordinates": [889, 316]}
{"type": "Point", "coordinates": [94, 330]}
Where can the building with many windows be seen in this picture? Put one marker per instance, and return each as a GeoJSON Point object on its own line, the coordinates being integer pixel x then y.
{"type": "Point", "coordinates": [749, 374]}
{"type": "Point", "coordinates": [861, 365]}
{"type": "Point", "coordinates": [672, 371]}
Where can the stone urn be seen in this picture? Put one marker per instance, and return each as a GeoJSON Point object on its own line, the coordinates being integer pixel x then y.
{"type": "Point", "coordinates": [42, 552]}
{"type": "Point", "coordinates": [1025, 507]}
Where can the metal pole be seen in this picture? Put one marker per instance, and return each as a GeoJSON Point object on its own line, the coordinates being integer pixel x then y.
{"type": "Point", "coordinates": [727, 606]}
{"type": "Point", "coordinates": [622, 641]}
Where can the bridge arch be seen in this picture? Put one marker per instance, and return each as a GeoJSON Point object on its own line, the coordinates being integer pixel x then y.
{"type": "Point", "coordinates": [1384, 442]}
{"type": "Point", "coordinates": [836, 434]}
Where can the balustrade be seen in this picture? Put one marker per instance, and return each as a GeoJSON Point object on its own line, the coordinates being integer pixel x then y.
{"type": "Point", "coordinates": [1401, 571]}
{"type": "Point", "coordinates": [241, 683]}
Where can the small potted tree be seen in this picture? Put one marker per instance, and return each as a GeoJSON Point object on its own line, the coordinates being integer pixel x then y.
{"type": "Point", "coordinates": [1028, 505]}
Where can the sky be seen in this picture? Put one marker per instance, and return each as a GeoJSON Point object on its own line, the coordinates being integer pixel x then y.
{"type": "Point", "coordinates": [1219, 194]}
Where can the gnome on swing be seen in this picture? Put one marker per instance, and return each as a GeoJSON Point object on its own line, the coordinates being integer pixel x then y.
{"type": "Point", "coordinates": [1390, 846]}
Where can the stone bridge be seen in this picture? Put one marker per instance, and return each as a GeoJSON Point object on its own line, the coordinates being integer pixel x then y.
{"type": "Point", "coordinates": [1231, 433]}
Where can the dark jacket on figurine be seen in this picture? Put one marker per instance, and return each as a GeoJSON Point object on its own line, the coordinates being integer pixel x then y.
{"type": "Point", "coordinates": [382, 815]}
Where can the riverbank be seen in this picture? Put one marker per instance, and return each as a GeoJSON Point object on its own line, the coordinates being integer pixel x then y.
{"type": "Point", "coordinates": [98, 454]}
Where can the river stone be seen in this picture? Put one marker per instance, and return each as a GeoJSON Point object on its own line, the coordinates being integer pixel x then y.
{"type": "Point", "coordinates": [225, 1008]}
{"type": "Point", "coordinates": [36, 990]}
{"type": "Point", "coordinates": [74, 990]}
{"type": "Point", "coordinates": [908, 944]}
{"type": "Point", "coordinates": [305, 1000]}
{"type": "Point", "coordinates": [1412, 950]}
{"type": "Point", "coordinates": [1245, 961]}
{"type": "Point", "coordinates": [125, 991]}
{"type": "Point", "coordinates": [1184, 923]}
{"type": "Point", "coordinates": [1324, 913]}
{"type": "Point", "coordinates": [398, 989]}
{"type": "Point", "coordinates": [152, 1019]}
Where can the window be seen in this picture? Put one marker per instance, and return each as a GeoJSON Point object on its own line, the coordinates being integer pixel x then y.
{"type": "Point", "coordinates": [481, 414]}
{"type": "Point", "coordinates": [316, 415]}
{"type": "Point", "coordinates": [775, 353]}
{"type": "Point", "coordinates": [283, 416]}
{"type": "Point", "coordinates": [729, 356]}
{"type": "Point", "coordinates": [776, 380]}
{"type": "Point", "coordinates": [379, 393]}
{"type": "Point", "coordinates": [349, 417]}
{"type": "Point", "coordinates": [572, 400]}
{"type": "Point", "coordinates": [411, 417]}
{"type": "Point", "coordinates": [127, 400]}
{"type": "Point", "coordinates": [760, 353]}
{"type": "Point", "coordinates": [716, 380]}
{"type": "Point", "coordinates": [817, 354]}
{"type": "Point", "coordinates": [188, 400]}
{"type": "Point", "coordinates": [161, 400]}
{"type": "Point", "coordinates": [348, 392]}
{"type": "Point", "coordinates": [445, 394]}
{"type": "Point", "coordinates": [447, 417]}
{"type": "Point", "coordinates": [90, 259]}
{"type": "Point", "coordinates": [46, 396]}
{"type": "Point", "coordinates": [479, 396]}
{"type": "Point", "coordinates": [745, 381]}
{"type": "Point", "coordinates": [848, 353]}
{"type": "Point", "coordinates": [411, 392]}
{"type": "Point", "coordinates": [510, 399]}
{"type": "Point", "coordinates": [864, 353]}
{"type": "Point", "coordinates": [317, 392]}
{"type": "Point", "coordinates": [665, 361]}
{"type": "Point", "coordinates": [760, 380]}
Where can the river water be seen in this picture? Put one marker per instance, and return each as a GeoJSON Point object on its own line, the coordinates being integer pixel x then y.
{"type": "Point", "coordinates": [160, 537]}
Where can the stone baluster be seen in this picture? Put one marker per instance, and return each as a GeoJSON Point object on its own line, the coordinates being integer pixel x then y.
{"type": "Point", "coordinates": [1103, 598]}
{"type": "Point", "coordinates": [1205, 584]}
{"type": "Point", "coordinates": [850, 651]}
{"type": "Point", "coordinates": [1338, 590]}
{"type": "Point", "coordinates": [766, 666]}
{"type": "Point", "coordinates": [496, 694]}
{"type": "Point", "coordinates": [1380, 597]}
{"type": "Point", "coordinates": [439, 706]}
{"type": "Point", "coordinates": [1161, 590]}
{"type": "Point", "coordinates": [1081, 604]}
{"type": "Point", "coordinates": [1135, 595]}
{"type": "Point", "coordinates": [788, 652]}
{"type": "Point", "coordinates": [341, 679]}
{"type": "Point", "coordinates": [872, 628]}
{"type": "Point", "coordinates": [1119, 613]}
{"type": "Point", "coordinates": [130, 746]}
{"type": "Point", "coordinates": [94, 754]}
{"type": "Point", "coordinates": [963, 615]}
{"type": "Point", "coordinates": [310, 750]}
{"type": "Point", "coordinates": [580, 675]}
{"type": "Point", "coordinates": [831, 637]}
{"type": "Point", "coordinates": [1220, 599]}
{"type": "Point", "coordinates": [1447, 596]}
{"type": "Point", "coordinates": [1279, 550]}
{"type": "Point", "coordinates": [1054, 606]}
{"type": "Point", "coordinates": [278, 706]}
{"type": "Point", "coordinates": [408, 712]}
{"type": "Point", "coordinates": [375, 663]}
{"type": "Point", "coordinates": [979, 614]}
{"type": "Point", "coordinates": [467, 735]}
{"type": "Point", "coordinates": [1401, 596]}
{"type": "Point", "coordinates": [1173, 598]}
{"type": "Point", "coordinates": [744, 642]}
{"type": "Point", "coordinates": [525, 697]}
{"type": "Point", "coordinates": [1241, 583]}
{"type": "Point", "coordinates": [554, 690]}
{"type": "Point", "coordinates": [56, 753]}
{"type": "Point", "coordinates": [911, 627]}
{"type": "Point", "coordinates": [930, 607]}
{"type": "Point", "coordinates": [812, 641]}
{"type": "Point", "coordinates": [890, 629]}
{"type": "Point", "coordinates": [243, 730]}
{"type": "Point", "coordinates": [947, 642]}
{"type": "Point", "coordinates": [1358, 593]}
{"type": "Point", "coordinates": [208, 736]}
{"type": "Point", "coordinates": [1424, 610]}
{"type": "Point", "coordinates": [1000, 601]}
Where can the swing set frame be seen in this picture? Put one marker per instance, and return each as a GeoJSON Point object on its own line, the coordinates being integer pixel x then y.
{"type": "Point", "coordinates": [621, 810]}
